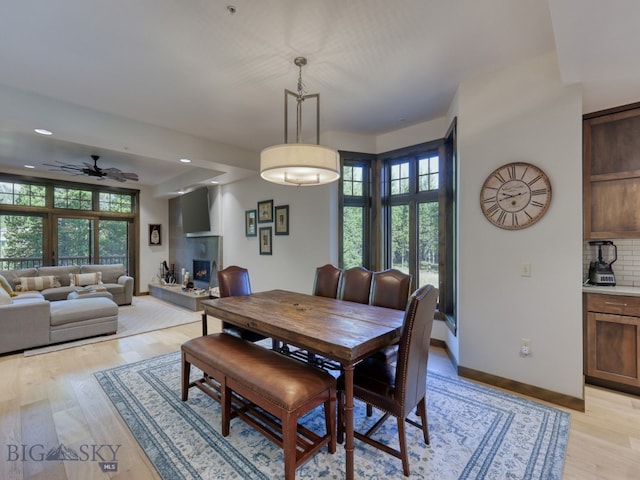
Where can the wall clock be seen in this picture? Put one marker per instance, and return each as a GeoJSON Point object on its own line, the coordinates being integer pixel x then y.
{"type": "Point", "coordinates": [515, 195]}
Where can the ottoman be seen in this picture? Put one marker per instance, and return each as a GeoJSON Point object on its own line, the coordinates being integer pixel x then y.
{"type": "Point", "coordinates": [73, 319]}
{"type": "Point", "coordinates": [91, 294]}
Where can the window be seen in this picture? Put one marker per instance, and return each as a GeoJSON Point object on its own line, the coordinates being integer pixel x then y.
{"type": "Point", "coordinates": [412, 223]}
{"type": "Point", "coordinates": [115, 202]}
{"type": "Point", "coordinates": [72, 198]}
{"type": "Point", "coordinates": [355, 201]}
{"type": "Point", "coordinates": [21, 241]}
{"type": "Point", "coordinates": [50, 222]}
{"type": "Point", "coordinates": [13, 193]}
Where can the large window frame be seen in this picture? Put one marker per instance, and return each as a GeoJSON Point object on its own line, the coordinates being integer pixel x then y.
{"type": "Point", "coordinates": [103, 205]}
{"type": "Point", "coordinates": [377, 233]}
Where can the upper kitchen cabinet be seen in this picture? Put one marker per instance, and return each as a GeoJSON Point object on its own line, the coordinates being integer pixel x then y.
{"type": "Point", "coordinates": [611, 173]}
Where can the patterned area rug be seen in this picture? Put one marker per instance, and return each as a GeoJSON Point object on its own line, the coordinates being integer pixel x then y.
{"type": "Point", "coordinates": [476, 433]}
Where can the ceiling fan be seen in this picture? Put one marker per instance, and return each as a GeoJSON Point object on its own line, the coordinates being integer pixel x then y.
{"type": "Point", "coordinates": [94, 170]}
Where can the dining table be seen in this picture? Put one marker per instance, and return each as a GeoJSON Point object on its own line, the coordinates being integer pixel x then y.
{"type": "Point", "coordinates": [345, 332]}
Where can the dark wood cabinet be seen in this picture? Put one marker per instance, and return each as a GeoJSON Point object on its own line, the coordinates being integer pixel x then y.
{"type": "Point", "coordinates": [612, 341]}
{"type": "Point", "coordinates": [611, 173]}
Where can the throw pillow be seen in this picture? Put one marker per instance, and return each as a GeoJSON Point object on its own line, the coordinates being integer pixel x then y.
{"type": "Point", "coordinates": [6, 286]}
{"type": "Point", "coordinates": [38, 283]}
{"type": "Point", "coordinates": [5, 299]}
{"type": "Point", "coordinates": [84, 279]}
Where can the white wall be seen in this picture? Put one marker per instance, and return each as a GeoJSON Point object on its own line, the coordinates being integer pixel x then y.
{"type": "Point", "coordinates": [312, 239]}
{"type": "Point", "coordinates": [524, 114]}
{"type": "Point", "coordinates": [152, 210]}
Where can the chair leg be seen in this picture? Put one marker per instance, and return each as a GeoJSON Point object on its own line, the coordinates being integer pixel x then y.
{"type": "Point", "coordinates": [340, 433]}
{"type": "Point", "coordinates": [330, 422]}
{"type": "Point", "coordinates": [422, 407]}
{"type": "Point", "coordinates": [403, 447]}
{"type": "Point", "coordinates": [369, 410]}
{"type": "Point", "coordinates": [186, 374]}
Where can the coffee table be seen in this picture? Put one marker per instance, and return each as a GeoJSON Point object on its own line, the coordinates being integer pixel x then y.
{"type": "Point", "coordinates": [175, 295]}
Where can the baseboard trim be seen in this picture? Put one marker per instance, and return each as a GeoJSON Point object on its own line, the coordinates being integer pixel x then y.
{"type": "Point", "coordinates": [442, 344]}
{"type": "Point", "coordinates": [523, 388]}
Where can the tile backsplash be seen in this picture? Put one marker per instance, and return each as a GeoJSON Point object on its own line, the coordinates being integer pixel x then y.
{"type": "Point", "coordinates": [626, 268]}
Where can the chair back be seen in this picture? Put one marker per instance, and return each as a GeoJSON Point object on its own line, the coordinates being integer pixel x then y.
{"type": "Point", "coordinates": [234, 281]}
{"type": "Point", "coordinates": [390, 288]}
{"type": "Point", "coordinates": [326, 281]}
{"type": "Point", "coordinates": [413, 352]}
{"type": "Point", "coordinates": [355, 285]}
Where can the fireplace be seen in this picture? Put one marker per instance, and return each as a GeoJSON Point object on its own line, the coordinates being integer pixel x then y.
{"type": "Point", "coordinates": [202, 270]}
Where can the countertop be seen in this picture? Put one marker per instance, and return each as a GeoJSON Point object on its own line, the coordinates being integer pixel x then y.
{"type": "Point", "coordinates": [617, 290]}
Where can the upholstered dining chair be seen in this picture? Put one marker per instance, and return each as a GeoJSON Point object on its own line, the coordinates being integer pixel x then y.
{"type": "Point", "coordinates": [234, 281]}
{"type": "Point", "coordinates": [397, 390]}
{"type": "Point", "coordinates": [326, 281]}
{"type": "Point", "coordinates": [355, 285]}
{"type": "Point", "coordinates": [390, 288]}
{"type": "Point", "coordinates": [325, 284]}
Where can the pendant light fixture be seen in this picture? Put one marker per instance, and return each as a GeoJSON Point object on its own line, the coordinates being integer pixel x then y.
{"type": "Point", "coordinates": [300, 164]}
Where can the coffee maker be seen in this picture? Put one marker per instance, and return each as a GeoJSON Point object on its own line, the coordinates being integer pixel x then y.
{"type": "Point", "coordinates": [605, 254]}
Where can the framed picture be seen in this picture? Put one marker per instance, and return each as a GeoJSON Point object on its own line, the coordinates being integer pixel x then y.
{"type": "Point", "coordinates": [265, 241]}
{"type": "Point", "coordinates": [155, 234]}
{"type": "Point", "coordinates": [265, 211]}
{"type": "Point", "coordinates": [282, 220]}
{"type": "Point", "coordinates": [250, 223]}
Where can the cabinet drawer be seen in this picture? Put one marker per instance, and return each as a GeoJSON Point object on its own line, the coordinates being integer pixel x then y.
{"type": "Point", "coordinates": [614, 304]}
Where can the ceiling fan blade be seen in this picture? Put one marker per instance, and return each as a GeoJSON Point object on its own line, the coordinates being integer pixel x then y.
{"type": "Point", "coordinates": [93, 170]}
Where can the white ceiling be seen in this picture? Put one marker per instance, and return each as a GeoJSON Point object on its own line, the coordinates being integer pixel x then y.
{"type": "Point", "coordinates": [144, 82]}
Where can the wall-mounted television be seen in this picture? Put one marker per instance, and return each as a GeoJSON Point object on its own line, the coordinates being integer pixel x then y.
{"type": "Point", "coordinates": [194, 206]}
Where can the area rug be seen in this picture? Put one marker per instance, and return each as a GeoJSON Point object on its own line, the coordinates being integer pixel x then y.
{"type": "Point", "coordinates": [145, 314]}
{"type": "Point", "coordinates": [476, 433]}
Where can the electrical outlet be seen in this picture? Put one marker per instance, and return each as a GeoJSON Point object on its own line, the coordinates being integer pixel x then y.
{"type": "Point", "coordinates": [525, 347]}
{"type": "Point", "coordinates": [525, 269]}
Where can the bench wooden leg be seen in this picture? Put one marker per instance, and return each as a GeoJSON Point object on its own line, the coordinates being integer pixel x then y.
{"type": "Point", "coordinates": [289, 435]}
{"type": "Point", "coordinates": [225, 406]}
{"type": "Point", "coordinates": [186, 374]}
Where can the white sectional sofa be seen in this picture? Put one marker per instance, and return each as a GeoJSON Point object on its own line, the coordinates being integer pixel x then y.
{"type": "Point", "coordinates": [31, 321]}
{"type": "Point", "coordinates": [42, 315]}
{"type": "Point", "coordinates": [111, 277]}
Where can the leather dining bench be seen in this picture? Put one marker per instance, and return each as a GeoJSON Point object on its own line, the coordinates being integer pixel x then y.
{"type": "Point", "coordinates": [249, 380]}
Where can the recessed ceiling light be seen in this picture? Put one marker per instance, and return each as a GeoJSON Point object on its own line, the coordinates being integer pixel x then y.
{"type": "Point", "coordinates": [185, 160]}
{"type": "Point", "coordinates": [29, 166]}
{"type": "Point", "coordinates": [43, 131]}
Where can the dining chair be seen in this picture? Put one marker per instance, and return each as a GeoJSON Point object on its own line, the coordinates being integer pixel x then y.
{"type": "Point", "coordinates": [325, 284]}
{"type": "Point", "coordinates": [390, 289]}
{"type": "Point", "coordinates": [326, 281]}
{"type": "Point", "coordinates": [355, 285]}
{"type": "Point", "coordinates": [234, 281]}
{"type": "Point", "coordinates": [397, 390]}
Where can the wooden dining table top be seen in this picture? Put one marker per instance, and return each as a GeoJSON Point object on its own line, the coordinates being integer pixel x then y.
{"type": "Point", "coordinates": [342, 331]}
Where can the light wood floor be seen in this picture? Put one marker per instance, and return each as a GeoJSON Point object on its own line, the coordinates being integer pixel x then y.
{"type": "Point", "coordinates": [54, 398]}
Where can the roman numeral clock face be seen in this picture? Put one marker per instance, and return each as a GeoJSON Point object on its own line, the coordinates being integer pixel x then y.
{"type": "Point", "coordinates": [515, 195]}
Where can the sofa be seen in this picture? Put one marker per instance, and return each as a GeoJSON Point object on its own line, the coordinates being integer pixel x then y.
{"type": "Point", "coordinates": [57, 282]}
{"type": "Point", "coordinates": [28, 320]}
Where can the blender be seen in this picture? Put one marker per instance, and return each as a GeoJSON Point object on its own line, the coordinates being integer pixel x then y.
{"type": "Point", "coordinates": [600, 271]}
